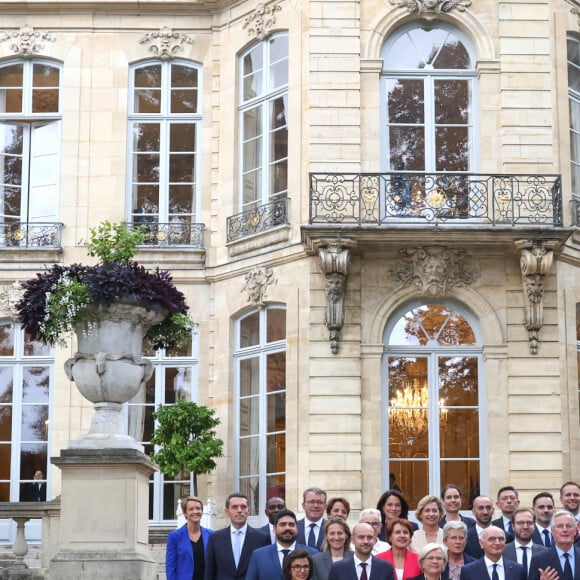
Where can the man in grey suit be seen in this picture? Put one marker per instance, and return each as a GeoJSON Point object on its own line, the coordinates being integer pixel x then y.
{"type": "Point", "coordinates": [522, 549]}
{"type": "Point", "coordinates": [371, 567]}
{"type": "Point", "coordinates": [562, 560]}
{"type": "Point", "coordinates": [493, 566]}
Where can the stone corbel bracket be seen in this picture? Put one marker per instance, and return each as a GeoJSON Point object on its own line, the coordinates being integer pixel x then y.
{"type": "Point", "coordinates": [334, 259]}
{"type": "Point", "coordinates": [536, 257]}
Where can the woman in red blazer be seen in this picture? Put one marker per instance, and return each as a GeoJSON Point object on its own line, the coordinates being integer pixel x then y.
{"type": "Point", "coordinates": [405, 562]}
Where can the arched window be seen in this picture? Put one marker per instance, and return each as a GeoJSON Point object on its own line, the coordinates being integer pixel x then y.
{"type": "Point", "coordinates": [260, 432]}
{"type": "Point", "coordinates": [30, 125]}
{"type": "Point", "coordinates": [574, 105]}
{"type": "Point", "coordinates": [164, 143]}
{"type": "Point", "coordinates": [429, 97]}
{"type": "Point", "coordinates": [431, 401]}
{"type": "Point", "coordinates": [263, 122]}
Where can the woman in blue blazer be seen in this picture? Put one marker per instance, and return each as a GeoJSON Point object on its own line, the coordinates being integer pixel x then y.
{"type": "Point", "coordinates": [186, 546]}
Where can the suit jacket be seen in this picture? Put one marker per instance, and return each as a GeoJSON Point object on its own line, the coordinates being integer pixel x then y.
{"type": "Point", "coordinates": [179, 564]}
{"type": "Point", "coordinates": [34, 492]}
{"type": "Point", "coordinates": [302, 539]}
{"type": "Point", "coordinates": [510, 552]}
{"type": "Point", "coordinates": [266, 530]}
{"type": "Point", "coordinates": [473, 547]}
{"type": "Point", "coordinates": [345, 570]}
{"type": "Point", "coordinates": [478, 571]}
{"type": "Point", "coordinates": [509, 537]}
{"type": "Point", "coordinates": [538, 538]}
{"type": "Point", "coordinates": [549, 557]}
{"type": "Point", "coordinates": [411, 567]}
{"type": "Point", "coordinates": [323, 563]}
{"type": "Point", "coordinates": [467, 559]}
{"type": "Point", "coordinates": [265, 563]}
{"type": "Point", "coordinates": [469, 522]}
{"type": "Point", "coordinates": [219, 557]}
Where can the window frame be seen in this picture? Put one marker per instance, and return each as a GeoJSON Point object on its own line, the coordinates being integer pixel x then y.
{"type": "Point", "coordinates": [573, 99]}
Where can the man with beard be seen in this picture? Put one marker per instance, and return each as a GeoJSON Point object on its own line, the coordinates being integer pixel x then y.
{"type": "Point", "coordinates": [266, 563]}
{"type": "Point", "coordinates": [522, 549]}
{"type": "Point", "coordinates": [483, 512]}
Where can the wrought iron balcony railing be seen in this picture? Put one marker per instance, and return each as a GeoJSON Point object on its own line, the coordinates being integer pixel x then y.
{"type": "Point", "coordinates": [576, 211]}
{"type": "Point", "coordinates": [30, 234]}
{"type": "Point", "coordinates": [383, 198]}
{"type": "Point", "coordinates": [179, 232]}
{"type": "Point", "coordinates": [258, 219]}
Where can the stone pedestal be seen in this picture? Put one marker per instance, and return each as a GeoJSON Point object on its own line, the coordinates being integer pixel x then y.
{"type": "Point", "coordinates": [104, 516]}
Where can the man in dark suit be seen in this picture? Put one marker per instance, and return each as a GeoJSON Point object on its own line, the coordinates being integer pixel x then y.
{"type": "Point", "coordinates": [570, 498]}
{"type": "Point", "coordinates": [311, 527]}
{"type": "Point", "coordinates": [229, 550]}
{"type": "Point", "coordinates": [507, 501]}
{"type": "Point", "coordinates": [273, 506]}
{"type": "Point", "coordinates": [482, 511]}
{"type": "Point", "coordinates": [522, 549]}
{"type": "Point", "coordinates": [266, 563]}
{"type": "Point", "coordinates": [36, 491]}
{"type": "Point", "coordinates": [363, 538]}
{"type": "Point", "coordinates": [490, 567]}
{"type": "Point", "coordinates": [563, 558]}
{"type": "Point", "coordinates": [543, 506]}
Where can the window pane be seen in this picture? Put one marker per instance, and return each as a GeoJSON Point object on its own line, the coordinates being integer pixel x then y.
{"type": "Point", "coordinates": [407, 148]}
{"type": "Point", "coordinates": [458, 381]}
{"type": "Point", "coordinates": [45, 99]}
{"type": "Point", "coordinates": [180, 201]}
{"type": "Point", "coordinates": [5, 424]}
{"type": "Point", "coordinates": [171, 493]}
{"type": "Point", "coordinates": [406, 101]}
{"type": "Point", "coordinates": [177, 384]}
{"type": "Point", "coordinates": [4, 491]}
{"type": "Point", "coordinates": [183, 76]}
{"type": "Point", "coordinates": [276, 371]}
{"type": "Point", "coordinates": [249, 416]}
{"type": "Point", "coordinates": [462, 440]}
{"type": "Point", "coordinates": [413, 479]}
{"type": "Point", "coordinates": [7, 339]}
{"type": "Point", "coordinates": [276, 324]}
{"type": "Point", "coordinates": [464, 474]}
{"type": "Point", "coordinates": [253, 74]}
{"type": "Point", "coordinates": [250, 330]}
{"type": "Point", "coordinates": [276, 445]}
{"type": "Point", "coordinates": [35, 385]}
{"type": "Point", "coordinates": [33, 457]}
{"type": "Point", "coordinates": [146, 137]}
{"type": "Point", "coordinates": [184, 101]}
{"type": "Point", "coordinates": [35, 347]}
{"type": "Point", "coordinates": [452, 55]}
{"type": "Point", "coordinates": [181, 167]}
{"type": "Point", "coordinates": [34, 423]}
{"type": "Point", "coordinates": [451, 101]}
{"type": "Point", "coordinates": [276, 484]}
{"type": "Point", "coordinates": [250, 486]}
{"type": "Point", "coordinates": [276, 419]}
{"type": "Point", "coordinates": [249, 456]}
{"type": "Point", "coordinates": [452, 146]}
{"type": "Point", "coordinates": [11, 83]}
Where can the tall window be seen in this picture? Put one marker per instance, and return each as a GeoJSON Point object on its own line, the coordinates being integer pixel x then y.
{"type": "Point", "coordinates": [574, 104]}
{"type": "Point", "coordinates": [428, 80]}
{"type": "Point", "coordinates": [260, 359]}
{"type": "Point", "coordinates": [264, 122]}
{"type": "Point", "coordinates": [174, 379]}
{"type": "Point", "coordinates": [164, 138]}
{"type": "Point", "coordinates": [431, 400]}
{"type": "Point", "coordinates": [30, 141]}
{"type": "Point", "coordinates": [26, 379]}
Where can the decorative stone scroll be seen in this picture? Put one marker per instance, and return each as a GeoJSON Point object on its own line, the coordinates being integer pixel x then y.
{"type": "Point", "coordinates": [433, 269]}
{"type": "Point", "coordinates": [536, 259]}
{"type": "Point", "coordinates": [165, 43]}
{"type": "Point", "coordinates": [262, 19]}
{"type": "Point", "coordinates": [334, 259]}
{"type": "Point", "coordinates": [9, 297]}
{"type": "Point", "coordinates": [26, 42]}
{"type": "Point", "coordinates": [425, 6]}
{"type": "Point", "coordinates": [257, 282]}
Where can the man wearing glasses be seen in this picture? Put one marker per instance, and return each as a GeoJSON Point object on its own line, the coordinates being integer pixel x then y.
{"type": "Point", "coordinates": [522, 549]}
{"type": "Point", "coordinates": [311, 527]}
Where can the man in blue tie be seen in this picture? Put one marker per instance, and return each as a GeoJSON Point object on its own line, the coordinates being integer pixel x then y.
{"type": "Point", "coordinates": [508, 502]}
{"type": "Point", "coordinates": [311, 527]}
{"type": "Point", "coordinates": [543, 506]}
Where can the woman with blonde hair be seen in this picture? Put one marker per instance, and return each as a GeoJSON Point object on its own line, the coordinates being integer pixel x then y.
{"type": "Point", "coordinates": [429, 511]}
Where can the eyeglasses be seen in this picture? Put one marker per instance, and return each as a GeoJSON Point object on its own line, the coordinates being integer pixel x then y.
{"type": "Point", "coordinates": [314, 502]}
{"type": "Point", "coordinates": [526, 523]}
{"type": "Point", "coordinates": [298, 567]}
{"type": "Point", "coordinates": [373, 524]}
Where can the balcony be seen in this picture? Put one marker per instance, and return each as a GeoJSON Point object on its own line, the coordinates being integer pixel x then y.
{"type": "Point", "coordinates": [179, 233]}
{"type": "Point", "coordinates": [576, 211]}
{"type": "Point", "coordinates": [443, 207]}
{"type": "Point", "coordinates": [257, 219]}
{"type": "Point", "coordinates": [30, 235]}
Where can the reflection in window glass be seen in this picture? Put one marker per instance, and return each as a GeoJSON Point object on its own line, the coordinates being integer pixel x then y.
{"type": "Point", "coordinates": [261, 399]}
{"type": "Point", "coordinates": [432, 411]}
{"type": "Point", "coordinates": [574, 110]}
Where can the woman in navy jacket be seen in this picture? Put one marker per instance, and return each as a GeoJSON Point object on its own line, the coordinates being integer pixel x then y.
{"type": "Point", "coordinates": [186, 546]}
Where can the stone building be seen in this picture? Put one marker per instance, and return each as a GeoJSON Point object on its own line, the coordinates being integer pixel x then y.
{"type": "Point", "coordinates": [369, 205]}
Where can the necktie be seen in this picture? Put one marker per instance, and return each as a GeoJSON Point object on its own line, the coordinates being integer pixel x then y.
{"type": "Point", "coordinates": [236, 546]}
{"type": "Point", "coordinates": [567, 568]}
{"type": "Point", "coordinates": [494, 574]}
{"type": "Point", "coordinates": [312, 537]}
{"type": "Point", "coordinates": [363, 574]}
{"type": "Point", "coordinates": [285, 555]}
{"type": "Point", "coordinates": [510, 529]}
{"type": "Point", "coordinates": [525, 557]}
{"type": "Point", "coordinates": [547, 539]}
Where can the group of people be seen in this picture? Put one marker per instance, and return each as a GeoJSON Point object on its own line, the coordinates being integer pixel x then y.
{"type": "Point", "coordinates": [535, 543]}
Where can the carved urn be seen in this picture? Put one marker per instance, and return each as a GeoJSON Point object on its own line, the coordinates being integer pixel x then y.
{"type": "Point", "coordinates": [108, 369]}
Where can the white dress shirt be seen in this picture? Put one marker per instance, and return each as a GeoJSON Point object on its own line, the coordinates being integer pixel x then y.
{"type": "Point", "coordinates": [520, 553]}
{"type": "Point", "coordinates": [358, 567]}
{"type": "Point", "coordinates": [500, 570]}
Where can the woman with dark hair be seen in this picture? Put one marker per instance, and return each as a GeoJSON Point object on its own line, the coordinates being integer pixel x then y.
{"type": "Point", "coordinates": [186, 546]}
{"type": "Point", "coordinates": [405, 562]}
{"type": "Point", "coordinates": [298, 565]}
{"type": "Point", "coordinates": [451, 496]}
{"type": "Point", "coordinates": [392, 505]}
{"type": "Point", "coordinates": [432, 559]}
{"type": "Point", "coordinates": [336, 547]}
{"type": "Point", "coordinates": [337, 507]}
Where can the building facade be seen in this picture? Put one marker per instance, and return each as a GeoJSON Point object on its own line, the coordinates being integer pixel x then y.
{"type": "Point", "coordinates": [370, 206]}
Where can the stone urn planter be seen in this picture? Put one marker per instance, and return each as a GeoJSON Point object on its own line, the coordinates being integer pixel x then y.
{"type": "Point", "coordinates": [108, 369]}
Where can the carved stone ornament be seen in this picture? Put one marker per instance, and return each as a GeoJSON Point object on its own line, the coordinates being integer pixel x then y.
{"type": "Point", "coordinates": [536, 259]}
{"type": "Point", "coordinates": [165, 43]}
{"type": "Point", "coordinates": [433, 269]}
{"type": "Point", "coordinates": [426, 6]}
{"type": "Point", "coordinates": [262, 19]}
{"type": "Point", "coordinates": [334, 259]}
{"type": "Point", "coordinates": [9, 297]}
{"type": "Point", "coordinates": [257, 282]}
{"type": "Point", "coordinates": [26, 42]}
